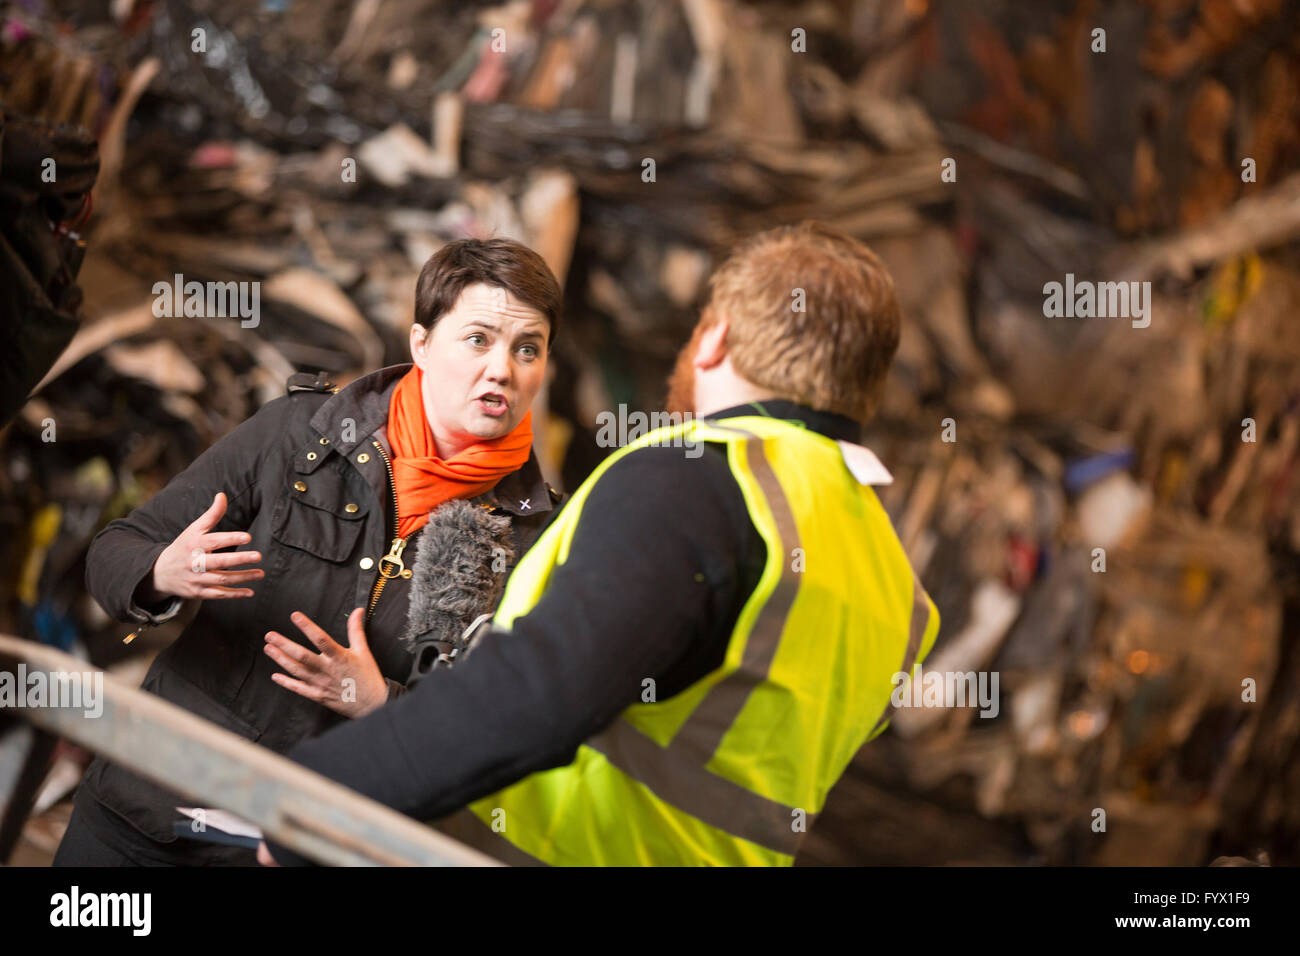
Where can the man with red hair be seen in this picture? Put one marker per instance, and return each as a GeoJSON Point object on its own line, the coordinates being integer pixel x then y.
{"type": "Point", "coordinates": [697, 645]}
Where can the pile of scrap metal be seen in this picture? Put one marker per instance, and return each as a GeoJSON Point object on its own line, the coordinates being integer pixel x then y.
{"type": "Point", "coordinates": [327, 156]}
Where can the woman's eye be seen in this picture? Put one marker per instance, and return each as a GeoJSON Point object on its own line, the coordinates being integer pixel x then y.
{"type": "Point", "coordinates": [530, 351]}
{"type": "Point", "coordinates": [477, 339]}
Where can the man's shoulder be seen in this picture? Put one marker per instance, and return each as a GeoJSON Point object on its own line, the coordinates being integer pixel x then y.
{"type": "Point", "coordinates": [660, 494]}
{"type": "Point", "coordinates": [685, 458]}
{"type": "Point", "coordinates": [664, 471]}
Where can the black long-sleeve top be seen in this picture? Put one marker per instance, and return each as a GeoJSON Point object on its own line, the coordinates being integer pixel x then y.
{"type": "Point", "coordinates": [662, 561]}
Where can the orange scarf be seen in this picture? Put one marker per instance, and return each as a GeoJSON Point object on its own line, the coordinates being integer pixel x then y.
{"type": "Point", "coordinates": [423, 480]}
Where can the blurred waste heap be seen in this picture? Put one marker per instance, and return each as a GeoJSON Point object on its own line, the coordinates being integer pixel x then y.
{"type": "Point", "coordinates": [1081, 496]}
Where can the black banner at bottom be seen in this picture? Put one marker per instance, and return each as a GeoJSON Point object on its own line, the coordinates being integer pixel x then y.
{"type": "Point", "coordinates": [1053, 906]}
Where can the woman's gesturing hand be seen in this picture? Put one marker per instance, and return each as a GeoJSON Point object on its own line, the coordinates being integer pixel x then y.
{"type": "Point", "coordinates": [187, 568]}
{"type": "Point", "coordinates": [345, 679]}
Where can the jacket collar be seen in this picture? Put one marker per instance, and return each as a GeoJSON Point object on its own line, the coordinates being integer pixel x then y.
{"type": "Point", "coordinates": [861, 461]}
{"type": "Point", "coordinates": [523, 492]}
{"type": "Point", "coordinates": [830, 424]}
{"type": "Point", "coordinates": [354, 414]}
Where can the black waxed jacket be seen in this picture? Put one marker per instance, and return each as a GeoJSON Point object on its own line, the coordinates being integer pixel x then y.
{"type": "Point", "coordinates": [303, 477]}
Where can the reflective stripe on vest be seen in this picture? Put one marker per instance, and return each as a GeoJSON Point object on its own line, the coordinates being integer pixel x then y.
{"type": "Point", "coordinates": [666, 782]}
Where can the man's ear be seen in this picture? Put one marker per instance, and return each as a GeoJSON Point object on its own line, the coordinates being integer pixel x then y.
{"type": "Point", "coordinates": [420, 345]}
{"type": "Point", "coordinates": [712, 350]}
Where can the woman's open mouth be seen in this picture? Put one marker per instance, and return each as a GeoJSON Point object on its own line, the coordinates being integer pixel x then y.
{"type": "Point", "coordinates": [493, 404]}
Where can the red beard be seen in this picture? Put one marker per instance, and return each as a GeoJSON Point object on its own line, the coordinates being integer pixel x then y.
{"type": "Point", "coordinates": [681, 383]}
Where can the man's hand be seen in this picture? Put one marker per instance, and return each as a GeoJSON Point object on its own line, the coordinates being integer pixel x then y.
{"type": "Point", "coordinates": [187, 569]}
{"type": "Point", "coordinates": [345, 679]}
{"type": "Point", "coordinates": [264, 855]}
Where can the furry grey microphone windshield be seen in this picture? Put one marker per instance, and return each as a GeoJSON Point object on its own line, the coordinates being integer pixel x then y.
{"type": "Point", "coordinates": [452, 576]}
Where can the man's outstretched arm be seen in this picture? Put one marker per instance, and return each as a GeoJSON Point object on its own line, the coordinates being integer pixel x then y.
{"type": "Point", "coordinates": [651, 570]}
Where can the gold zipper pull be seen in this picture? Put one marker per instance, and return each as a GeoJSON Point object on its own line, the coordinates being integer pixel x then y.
{"type": "Point", "coordinates": [394, 557]}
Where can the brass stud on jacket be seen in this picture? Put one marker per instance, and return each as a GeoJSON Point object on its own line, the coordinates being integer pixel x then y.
{"type": "Point", "coordinates": [300, 486]}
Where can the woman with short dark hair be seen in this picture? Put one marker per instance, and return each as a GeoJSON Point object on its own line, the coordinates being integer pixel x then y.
{"type": "Point", "coordinates": [397, 504]}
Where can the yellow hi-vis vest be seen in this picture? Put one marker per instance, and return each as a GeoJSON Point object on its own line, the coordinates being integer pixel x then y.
{"type": "Point", "coordinates": [733, 770]}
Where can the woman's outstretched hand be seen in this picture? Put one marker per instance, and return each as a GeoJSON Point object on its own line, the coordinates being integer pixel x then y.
{"type": "Point", "coordinates": [344, 679]}
{"type": "Point", "coordinates": [187, 568]}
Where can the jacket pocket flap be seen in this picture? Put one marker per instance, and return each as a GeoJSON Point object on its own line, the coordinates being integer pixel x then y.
{"type": "Point", "coordinates": [328, 493]}
{"type": "Point", "coordinates": [320, 531]}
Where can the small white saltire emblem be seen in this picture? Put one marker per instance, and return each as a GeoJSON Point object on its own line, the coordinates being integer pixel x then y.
{"type": "Point", "coordinates": [525, 504]}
